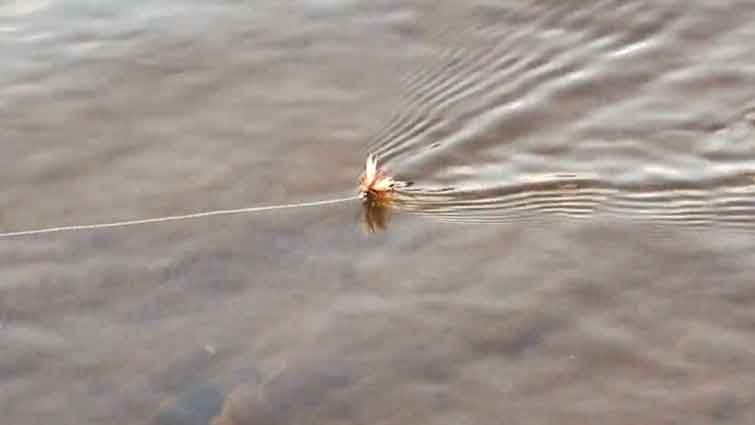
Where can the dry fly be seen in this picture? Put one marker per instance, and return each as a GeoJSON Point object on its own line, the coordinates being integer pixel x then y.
{"type": "Point", "coordinates": [377, 190]}
{"type": "Point", "coordinates": [375, 185]}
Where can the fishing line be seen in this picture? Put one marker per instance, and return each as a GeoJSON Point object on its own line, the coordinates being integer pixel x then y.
{"type": "Point", "coordinates": [177, 217]}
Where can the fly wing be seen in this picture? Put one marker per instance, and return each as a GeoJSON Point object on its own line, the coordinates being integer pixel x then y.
{"type": "Point", "coordinates": [370, 169]}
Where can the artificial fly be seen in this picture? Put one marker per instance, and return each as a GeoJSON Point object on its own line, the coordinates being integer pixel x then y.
{"type": "Point", "coordinates": [375, 185]}
{"type": "Point", "coordinates": [376, 190]}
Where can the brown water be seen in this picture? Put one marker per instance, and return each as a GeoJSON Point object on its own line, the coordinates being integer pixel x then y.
{"type": "Point", "coordinates": [577, 247]}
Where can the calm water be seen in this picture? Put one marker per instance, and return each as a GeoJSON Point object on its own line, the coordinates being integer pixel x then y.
{"type": "Point", "coordinates": [578, 246]}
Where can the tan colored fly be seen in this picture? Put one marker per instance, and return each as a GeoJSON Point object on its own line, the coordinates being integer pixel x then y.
{"type": "Point", "coordinates": [375, 185]}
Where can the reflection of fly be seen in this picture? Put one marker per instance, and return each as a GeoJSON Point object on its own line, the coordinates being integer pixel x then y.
{"type": "Point", "coordinates": [374, 185]}
{"type": "Point", "coordinates": [376, 215]}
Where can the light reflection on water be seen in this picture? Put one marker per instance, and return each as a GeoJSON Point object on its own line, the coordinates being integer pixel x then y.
{"type": "Point", "coordinates": [19, 8]}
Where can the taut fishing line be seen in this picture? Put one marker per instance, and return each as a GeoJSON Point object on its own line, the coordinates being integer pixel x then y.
{"type": "Point", "coordinates": [176, 217]}
{"type": "Point", "coordinates": [374, 184]}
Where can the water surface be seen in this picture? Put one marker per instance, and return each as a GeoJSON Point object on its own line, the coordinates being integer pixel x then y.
{"type": "Point", "coordinates": [581, 252]}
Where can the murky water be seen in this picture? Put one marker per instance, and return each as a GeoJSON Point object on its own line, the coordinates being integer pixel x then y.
{"type": "Point", "coordinates": [577, 246]}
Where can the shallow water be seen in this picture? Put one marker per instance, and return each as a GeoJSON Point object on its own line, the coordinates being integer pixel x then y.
{"type": "Point", "coordinates": [577, 246]}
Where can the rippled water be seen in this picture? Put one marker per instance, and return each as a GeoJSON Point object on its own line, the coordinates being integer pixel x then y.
{"type": "Point", "coordinates": [528, 114]}
{"type": "Point", "coordinates": [600, 156]}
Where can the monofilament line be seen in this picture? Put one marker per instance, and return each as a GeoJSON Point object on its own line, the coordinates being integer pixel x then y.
{"type": "Point", "coordinates": [176, 217]}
